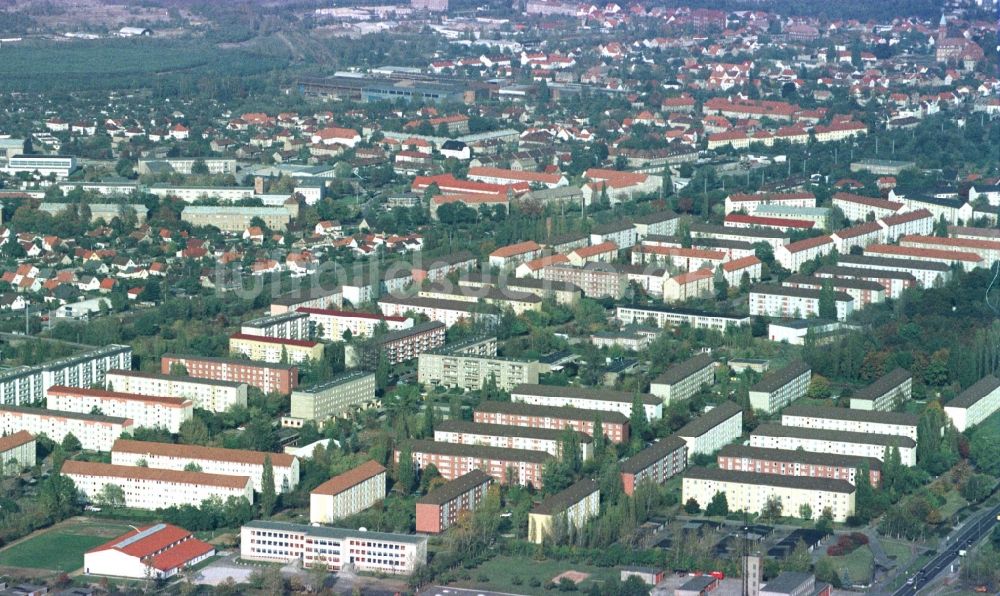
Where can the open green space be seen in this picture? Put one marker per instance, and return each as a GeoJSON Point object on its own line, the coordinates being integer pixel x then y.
{"type": "Point", "coordinates": [858, 565]}
{"type": "Point", "coordinates": [953, 502]}
{"type": "Point", "coordinates": [105, 63]}
{"type": "Point", "coordinates": [54, 551]}
{"type": "Point", "coordinates": [514, 574]}
{"type": "Point", "coordinates": [897, 551]}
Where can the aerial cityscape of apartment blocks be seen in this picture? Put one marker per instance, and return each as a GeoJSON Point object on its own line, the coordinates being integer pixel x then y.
{"type": "Point", "coordinates": [207, 394]}
{"type": "Point", "coordinates": [153, 488]}
{"type": "Point", "coordinates": [613, 424]}
{"type": "Point", "coordinates": [348, 493]}
{"type": "Point", "coordinates": [146, 411]}
{"type": "Point", "coordinates": [439, 509]}
{"type": "Point", "coordinates": [269, 378]}
{"type": "Point", "coordinates": [213, 460]}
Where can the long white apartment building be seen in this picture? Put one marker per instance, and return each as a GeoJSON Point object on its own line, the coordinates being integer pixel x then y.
{"type": "Point", "coordinates": [152, 488]}
{"type": "Point", "coordinates": [928, 274]}
{"type": "Point", "coordinates": [750, 492]}
{"type": "Point", "coordinates": [465, 432]}
{"type": "Point", "coordinates": [920, 221]}
{"type": "Point", "coordinates": [975, 404]}
{"type": "Point", "coordinates": [96, 433]}
{"type": "Point", "coordinates": [664, 317]}
{"type": "Point", "coordinates": [351, 492]}
{"type": "Point", "coordinates": [773, 436]}
{"type": "Point", "coordinates": [894, 282]}
{"type": "Point", "coordinates": [332, 325]}
{"type": "Point", "coordinates": [861, 291]}
{"type": "Point", "coordinates": [213, 460]}
{"type": "Point", "coordinates": [576, 505]}
{"type": "Point", "coordinates": [795, 303]}
{"type": "Point", "coordinates": [61, 166]}
{"type": "Point", "coordinates": [289, 325]}
{"type": "Point", "coordinates": [684, 379]}
{"type": "Point", "coordinates": [146, 411]}
{"type": "Point", "coordinates": [27, 384]}
{"type": "Point", "coordinates": [713, 430]}
{"type": "Point", "coordinates": [859, 208]}
{"type": "Point", "coordinates": [857, 421]}
{"type": "Point", "coordinates": [449, 312]}
{"type": "Point", "coordinates": [334, 548]}
{"type": "Point", "coordinates": [885, 393]}
{"type": "Point", "coordinates": [778, 388]}
{"type": "Point", "coordinates": [337, 397]}
{"type": "Point", "coordinates": [588, 398]}
{"type": "Point", "coordinates": [207, 394]}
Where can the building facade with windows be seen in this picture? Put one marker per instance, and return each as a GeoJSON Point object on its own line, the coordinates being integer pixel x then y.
{"type": "Point", "coordinates": [714, 429]}
{"type": "Point", "coordinates": [95, 432]}
{"type": "Point", "coordinates": [289, 325]}
{"type": "Point", "coordinates": [657, 463]}
{"type": "Point", "coordinates": [507, 466]}
{"type": "Point", "coordinates": [684, 379]}
{"type": "Point", "coordinates": [975, 404]}
{"type": "Point", "coordinates": [213, 460]}
{"type": "Point", "coordinates": [672, 317]}
{"type": "Point", "coordinates": [146, 411]}
{"type": "Point", "coordinates": [334, 548]}
{"type": "Point", "coordinates": [888, 391]}
{"type": "Point", "coordinates": [336, 397]}
{"type": "Point", "coordinates": [451, 368]}
{"type": "Point", "coordinates": [152, 488]}
{"type": "Point", "coordinates": [614, 425]}
{"type": "Point", "coordinates": [588, 398]}
{"type": "Point", "coordinates": [347, 494]}
{"type": "Point", "coordinates": [902, 424]}
{"type": "Point", "coordinates": [17, 452]}
{"type": "Point", "coordinates": [778, 388]}
{"type": "Point", "coordinates": [509, 437]}
{"type": "Point", "coordinates": [774, 436]}
{"type": "Point", "coordinates": [207, 394]}
{"type": "Point", "coordinates": [440, 508]}
{"type": "Point", "coordinates": [275, 350]}
{"type": "Point", "coordinates": [575, 506]}
{"type": "Point", "coordinates": [269, 378]}
{"type": "Point", "coordinates": [750, 492]}
{"type": "Point", "coordinates": [812, 464]}
{"type": "Point", "coordinates": [27, 384]}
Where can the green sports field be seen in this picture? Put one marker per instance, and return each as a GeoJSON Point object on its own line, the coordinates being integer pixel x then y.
{"type": "Point", "coordinates": [59, 549]}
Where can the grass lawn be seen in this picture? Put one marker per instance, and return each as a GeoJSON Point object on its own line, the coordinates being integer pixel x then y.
{"type": "Point", "coordinates": [858, 565]}
{"type": "Point", "coordinates": [502, 571]}
{"type": "Point", "coordinates": [897, 551]}
{"type": "Point", "coordinates": [953, 502]}
{"type": "Point", "coordinates": [55, 551]}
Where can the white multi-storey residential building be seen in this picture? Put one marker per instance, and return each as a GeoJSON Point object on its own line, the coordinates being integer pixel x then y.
{"type": "Point", "coordinates": [334, 548]}
{"type": "Point", "coordinates": [347, 494]}
{"type": "Point", "coordinates": [95, 433]}
{"type": "Point", "coordinates": [773, 436]}
{"type": "Point", "coordinates": [714, 429]}
{"type": "Point", "coordinates": [860, 208]}
{"type": "Point", "coordinates": [587, 398]}
{"type": "Point", "coordinates": [906, 223]}
{"type": "Point", "coordinates": [792, 256]}
{"type": "Point", "coordinates": [332, 325]}
{"type": "Point", "coordinates": [288, 325]}
{"type": "Point", "coordinates": [576, 505]}
{"type": "Point", "coordinates": [213, 460]}
{"type": "Point", "coordinates": [750, 202]}
{"type": "Point", "coordinates": [928, 274]}
{"type": "Point", "coordinates": [861, 235]}
{"type": "Point", "coordinates": [509, 437]}
{"type": "Point", "coordinates": [661, 316]}
{"type": "Point", "coordinates": [151, 488]}
{"type": "Point", "coordinates": [750, 492]}
{"type": "Point", "coordinates": [902, 424]}
{"type": "Point", "coordinates": [861, 291]}
{"type": "Point", "coordinates": [440, 508]}
{"type": "Point", "coordinates": [207, 394]}
{"type": "Point", "coordinates": [781, 387]}
{"type": "Point", "coordinates": [61, 166]}
{"type": "Point", "coordinates": [27, 384]}
{"type": "Point", "coordinates": [887, 392]}
{"type": "Point", "coordinates": [146, 411]}
{"type": "Point", "coordinates": [622, 234]}
{"type": "Point", "coordinates": [449, 312]}
{"type": "Point", "coordinates": [975, 404]}
{"type": "Point", "coordinates": [795, 303]}
{"type": "Point", "coordinates": [471, 363]}
{"type": "Point", "coordinates": [682, 380]}
{"type": "Point", "coordinates": [657, 463]}
{"type": "Point", "coordinates": [336, 397]}
{"type": "Point", "coordinates": [17, 452]}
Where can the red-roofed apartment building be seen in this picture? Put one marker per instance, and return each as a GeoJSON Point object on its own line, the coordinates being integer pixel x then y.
{"type": "Point", "coordinates": [153, 552]}
{"type": "Point", "coordinates": [750, 203]}
{"type": "Point", "coordinates": [353, 491]}
{"type": "Point", "coordinates": [792, 256]}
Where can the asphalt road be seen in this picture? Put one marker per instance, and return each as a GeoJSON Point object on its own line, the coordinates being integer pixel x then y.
{"type": "Point", "coordinates": [970, 534]}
